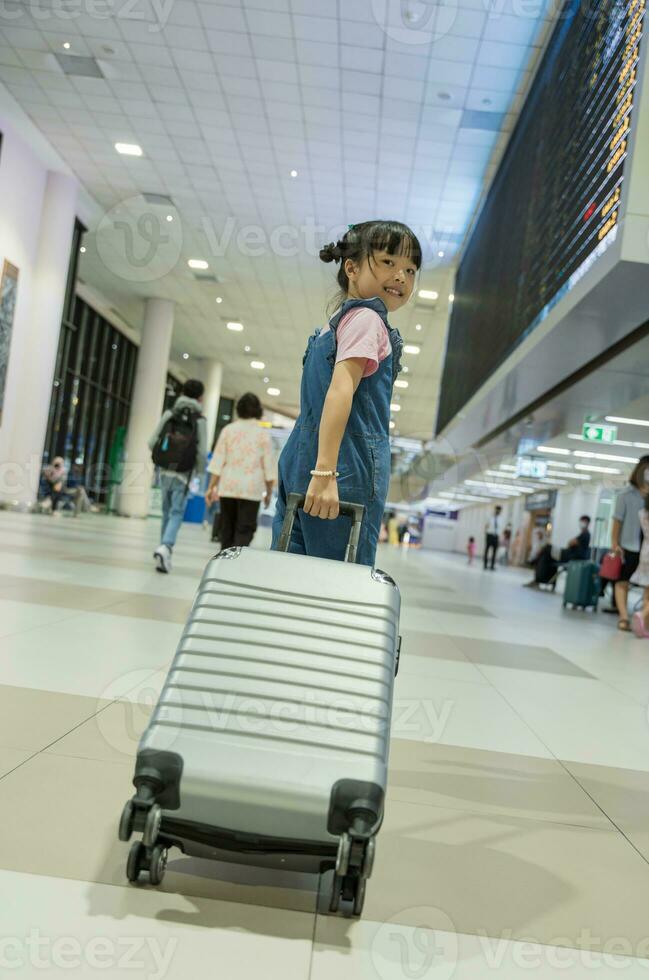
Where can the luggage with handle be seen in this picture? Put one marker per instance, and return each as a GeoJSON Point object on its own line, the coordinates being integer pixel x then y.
{"type": "Point", "coordinates": [269, 743]}
{"type": "Point", "coordinates": [582, 585]}
{"type": "Point", "coordinates": [611, 567]}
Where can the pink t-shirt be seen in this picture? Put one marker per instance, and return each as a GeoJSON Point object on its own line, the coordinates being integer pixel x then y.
{"type": "Point", "coordinates": [362, 333]}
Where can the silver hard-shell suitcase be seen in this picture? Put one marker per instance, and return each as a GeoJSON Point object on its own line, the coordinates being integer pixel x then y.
{"type": "Point", "coordinates": [269, 743]}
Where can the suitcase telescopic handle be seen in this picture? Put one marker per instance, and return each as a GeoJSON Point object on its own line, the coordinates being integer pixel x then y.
{"type": "Point", "coordinates": [355, 511]}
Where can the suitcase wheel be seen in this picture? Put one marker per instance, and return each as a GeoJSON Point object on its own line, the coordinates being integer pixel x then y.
{"type": "Point", "coordinates": [151, 860]}
{"type": "Point", "coordinates": [136, 861]}
{"type": "Point", "coordinates": [127, 821]}
{"type": "Point", "coordinates": [157, 864]}
{"type": "Point", "coordinates": [353, 867]}
{"type": "Point", "coordinates": [348, 896]}
{"type": "Point", "coordinates": [152, 825]}
{"type": "Point", "coordinates": [368, 858]}
{"type": "Point", "coordinates": [344, 853]}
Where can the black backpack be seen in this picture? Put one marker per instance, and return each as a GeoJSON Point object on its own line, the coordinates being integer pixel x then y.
{"type": "Point", "coordinates": [176, 447]}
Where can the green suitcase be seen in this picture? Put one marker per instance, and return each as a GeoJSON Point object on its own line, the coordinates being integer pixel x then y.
{"type": "Point", "coordinates": [582, 585]}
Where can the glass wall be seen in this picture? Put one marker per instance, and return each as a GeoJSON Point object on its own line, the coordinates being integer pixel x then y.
{"type": "Point", "coordinates": [223, 418]}
{"type": "Point", "coordinates": [91, 397]}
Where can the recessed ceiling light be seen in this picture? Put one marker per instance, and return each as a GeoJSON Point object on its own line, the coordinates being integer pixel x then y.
{"type": "Point", "coordinates": [273, 391]}
{"type": "Point", "coordinates": [293, 173]}
{"type": "Point", "coordinates": [247, 349]}
{"type": "Point", "coordinates": [129, 149]}
{"type": "Point", "coordinates": [395, 408]}
{"type": "Point", "coordinates": [185, 357]}
{"type": "Point", "coordinates": [428, 294]}
{"type": "Point", "coordinates": [400, 384]}
{"type": "Point", "coordinates": [451, 297]}
{"type": "Point", "coordinates": [170, 217]}
{"type": "Point", "coordinates": [392, 424]}
{"type": "Point", "coordinates": [83, 248]}
{"type": "Point", "coordinates": [596, 469]}
{"type": "Point", "coordinates": [219, 299]}
{"type": "Point", "coordinates": [198, 264]}
{"type": "Point", "coordinates": [610, 457]}
{"type": "Point", "coordinates": [418, 326]}
{"type": "Point", "coordinates": [266, 380]}
{"type": "Point", "coordinates": [234, 326]}
{"type": "Point", "coordinates": [257, 365]}
{"type": "Point", "coordinates": [67, 45]}
{"type": "Point", "coordinates": [616, 418]}
{"type": "Point", "coordinates": [440, 255]}
{"type": "Point", "coordinates": [411, 349]}
{"type": "Point", "coordinates": [405, 370]}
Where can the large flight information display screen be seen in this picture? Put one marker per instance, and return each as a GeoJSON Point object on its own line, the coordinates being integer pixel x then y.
{"type": "Point", "coordinates": [554, 204]}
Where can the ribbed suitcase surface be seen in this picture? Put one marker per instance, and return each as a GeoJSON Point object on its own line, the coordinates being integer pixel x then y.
{"type": "Point", "coordinates": [582, 584]}
{"type": "Point", "coordinates": [281, 686]}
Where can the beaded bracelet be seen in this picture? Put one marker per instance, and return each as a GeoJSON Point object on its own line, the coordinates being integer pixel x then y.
{"type": "Point", "coordinates": [325, 473]}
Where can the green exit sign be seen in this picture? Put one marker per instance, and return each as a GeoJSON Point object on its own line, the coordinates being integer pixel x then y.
{"type": "Point", "coordinates": [599, 433]}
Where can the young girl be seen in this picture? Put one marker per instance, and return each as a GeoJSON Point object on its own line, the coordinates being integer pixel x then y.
{"type": "Point", "coordinates": [470, 550]}
{"type": "Point", "coordinates": [340, 446]}
{"type": "Point", "coordinates": [641, 576]}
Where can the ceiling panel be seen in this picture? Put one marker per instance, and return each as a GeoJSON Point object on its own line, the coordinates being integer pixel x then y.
{"type": "Point", "coordinates": [229, 97]}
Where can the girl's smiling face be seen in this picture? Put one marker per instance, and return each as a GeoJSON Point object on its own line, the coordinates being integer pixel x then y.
{"type": "Point", "coordinates": [390, 277]}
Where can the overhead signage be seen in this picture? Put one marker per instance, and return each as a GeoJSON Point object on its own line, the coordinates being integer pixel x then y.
{"type": "Point", "coordinates": [599, 433]}
{"type": "Point", "coordinates": [543, 500]}
{"type": "Point", "coordinates": [527, 447]}
{"type": "Point", "coordinates": [536, 469]}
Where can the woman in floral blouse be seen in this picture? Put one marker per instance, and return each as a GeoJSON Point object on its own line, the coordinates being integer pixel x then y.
{"type": "Point", "coordinates": [242, 473]}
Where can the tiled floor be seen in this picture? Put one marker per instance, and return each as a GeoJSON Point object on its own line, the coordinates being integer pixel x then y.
{"type": "Point", "coordinates": [516, 836]}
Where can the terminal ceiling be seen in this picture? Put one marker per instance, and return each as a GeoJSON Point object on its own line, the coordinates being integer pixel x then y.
{"type": "Point", "coordinates": [226, 100]}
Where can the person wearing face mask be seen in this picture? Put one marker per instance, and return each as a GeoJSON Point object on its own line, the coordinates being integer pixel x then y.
{"type": "Point", "coordinates": [547, 567]}
{"type": "Point", "coordinates": [579, 548]}
{"type": "Point", "coordinates": [627, 535]}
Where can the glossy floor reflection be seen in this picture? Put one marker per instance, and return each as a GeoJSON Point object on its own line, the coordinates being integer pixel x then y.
{"type": "Point", "coordinates": [515, 836]}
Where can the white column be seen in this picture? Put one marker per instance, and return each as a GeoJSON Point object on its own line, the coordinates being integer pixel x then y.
{"type": "Point", "coordinates": [41, 337]}
{"type": "Point", "coordinates": [212, 377]}
{"type": "Point", "coordinates": [146, 406]}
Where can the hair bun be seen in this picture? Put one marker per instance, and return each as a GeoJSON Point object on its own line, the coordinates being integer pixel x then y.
{"type": "Point", "coordinates": [331, 253]}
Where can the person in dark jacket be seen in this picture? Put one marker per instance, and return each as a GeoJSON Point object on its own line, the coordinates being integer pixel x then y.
{"type": "Point", "coordinates": [174, 485]}
{"type": "Point", "coordinates": [547, 567]}
{"type": "Point", "coordinates": [579, 548]}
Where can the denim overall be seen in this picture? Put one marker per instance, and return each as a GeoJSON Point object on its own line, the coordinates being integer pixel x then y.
{"type": "Point", "coordinates": [364, 458]}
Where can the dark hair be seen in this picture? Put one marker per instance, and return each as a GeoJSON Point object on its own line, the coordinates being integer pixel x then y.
{"type": "Point", "coordinates": [193, 388]}
{"type": "Point", "coordinates": [249, 407]}
{"type": "Point", "coordinates": [637, 477]}
{"type": "Point", "coordinates": [585, 517]}
{"type": "Point", "coordinates": [361, 241]}
{"type": "Point", "coordinates": [498, 507]}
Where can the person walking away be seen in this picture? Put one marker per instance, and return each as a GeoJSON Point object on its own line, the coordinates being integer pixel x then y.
{"type": "Point", "coordinates": [626, 535]}
{"type": "Point", "coordinates": [340, 446]}
{"type": "Point", "coordinates": [641, 576]}
{"type": "Point", "coordinates": [470, 550]}
{"type": "Point", "coordinates": [492, 538]}
{"type": "Point", "coordinates": [179, 448]}
{"type": "Point", "coordinates": [242, 473]}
